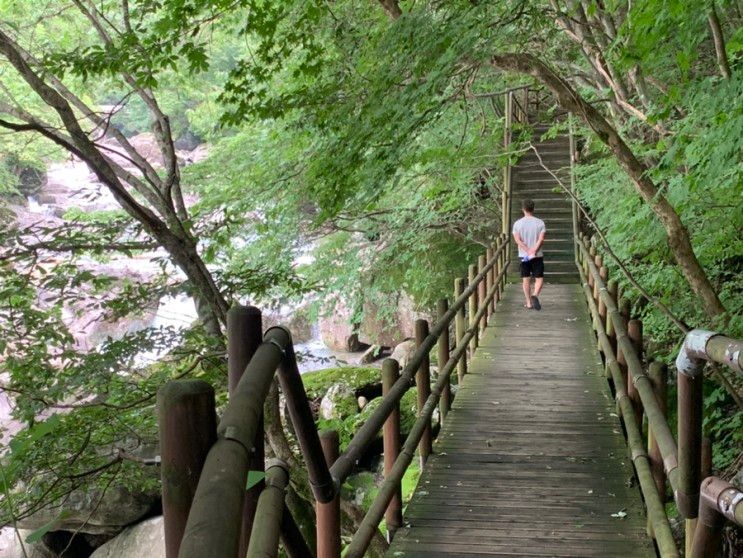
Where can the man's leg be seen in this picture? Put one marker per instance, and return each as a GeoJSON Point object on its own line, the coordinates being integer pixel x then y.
{"type": "Point", "coordinates": [526, 286]}
{"type": "Point", "coordinates": [538, 282]}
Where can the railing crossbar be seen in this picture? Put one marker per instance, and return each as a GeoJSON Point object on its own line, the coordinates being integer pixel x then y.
{"type": "Point", "coordinates": [346, 462]}
{"type": "Point", "coordinates": [655, 508]}
{"type": "Point", "coordinates": [369, 524]}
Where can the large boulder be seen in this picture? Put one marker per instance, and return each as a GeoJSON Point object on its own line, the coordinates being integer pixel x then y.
{"type": "Point", "coordinates": [10, 545]}
{"type": "Point", "coordinates": [339, 402]}
{"type": "Point", "coordinates": [144, 539]}
{"type": "Point", "coordinates": [403, 352]}
{"type": "Point", "coordinates": [146, 145]}
{"type": "Point", "coordinates": [103, 511]}
{"type": "Point", "coordinates": [90, 512]}
{"type": "Point", "coordinates": [336, 329]}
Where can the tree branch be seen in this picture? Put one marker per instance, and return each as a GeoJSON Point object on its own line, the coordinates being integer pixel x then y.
{"type": "Point", "coordinates": [676, 233]}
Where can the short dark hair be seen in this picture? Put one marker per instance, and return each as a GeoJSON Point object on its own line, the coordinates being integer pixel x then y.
{"type": "Point", "coordinates": [528, 205]}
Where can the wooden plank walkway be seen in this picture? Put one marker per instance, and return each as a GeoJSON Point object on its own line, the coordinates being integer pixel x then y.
{"type": "Point", "coordinates": [531, 460]}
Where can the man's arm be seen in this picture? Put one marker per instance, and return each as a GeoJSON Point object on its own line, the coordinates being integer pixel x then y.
{"type": "Point", "coordinates": [534, 249]}
{"type": "Point", "coordinates": [519, 242]}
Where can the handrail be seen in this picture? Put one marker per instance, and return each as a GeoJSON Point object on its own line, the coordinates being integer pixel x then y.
{"type": "Point", "coordinates": [712, 500]}
{"type": "Point", "coordinates": [367, 433]}
{"type": "Point", "coordinates": [371, 520]}
{"type": "Point", "coordinates": [215, 521]}
{"type": "Point", "coordinates": [656, 512]}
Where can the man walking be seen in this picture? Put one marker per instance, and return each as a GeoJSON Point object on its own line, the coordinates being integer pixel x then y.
{"type": "Point", "coordinates": [528, 232]}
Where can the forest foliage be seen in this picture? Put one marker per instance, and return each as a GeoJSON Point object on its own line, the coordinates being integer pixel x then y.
{"type": "Point", "coordinates": [372, 142]}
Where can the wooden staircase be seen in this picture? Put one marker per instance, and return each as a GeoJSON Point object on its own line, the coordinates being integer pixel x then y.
{"type": "Point", "coordinates": [532, 180]}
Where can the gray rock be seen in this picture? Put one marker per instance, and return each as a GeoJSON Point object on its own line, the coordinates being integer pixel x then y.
{"type": "Point", "coordinates": [338, 402]}
{"type": "Point", "coordinates": [145, 539]}
{"type": "Point", "coordinates": [373, 353]}
{"type": "Point", "coordinates": [10, 546]}
{"type": "Point", "coordinates": [362, 402]}
{"type": "Point", "coordinates": [188, 141]}
{"type": "Point", "coordinates": [403, 352]}
{"type": "Point", "coordinates": [87, 512]}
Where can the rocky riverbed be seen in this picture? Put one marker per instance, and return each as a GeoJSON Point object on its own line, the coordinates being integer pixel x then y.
{"type": "Point", "coordinates": [343, 395]}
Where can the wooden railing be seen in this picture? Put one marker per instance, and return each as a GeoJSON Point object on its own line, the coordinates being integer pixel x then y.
{"type": "Point", "coordinates": [658, 458]}
{"type": "Point", "coordinates": [206, 467]}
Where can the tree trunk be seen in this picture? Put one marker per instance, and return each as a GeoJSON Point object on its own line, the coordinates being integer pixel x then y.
{"type": "Point", "coordinates": [676, 233]}
{"type": "Point", "coordinates": [719, 39]}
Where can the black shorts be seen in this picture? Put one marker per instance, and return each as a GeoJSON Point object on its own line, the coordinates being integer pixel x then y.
{"type": "Point", "coordinates": [533, 268]}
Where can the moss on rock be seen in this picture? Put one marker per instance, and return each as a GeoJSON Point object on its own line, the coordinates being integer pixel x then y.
{"type": "Point", "coordinates": [317, 383]}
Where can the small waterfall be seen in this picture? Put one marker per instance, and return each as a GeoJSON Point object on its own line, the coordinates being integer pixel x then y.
{"type": "Point", "coordinates": [39, 208]}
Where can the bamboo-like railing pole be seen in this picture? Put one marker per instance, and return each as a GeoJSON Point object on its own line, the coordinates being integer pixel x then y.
{"type": "Point", "coordinates": [328, 514]}
{"type": "Point", "coordinates": [368, 431]}
{"type": "Point", "coordinates": [473, 305]}
{"type": "Point", "coordinates": [443, 357]}
{"type": "Point", "coordinates": [655, 507]}
{"type": "Point", "coordinates": [459, 328]}
{"type": "Point", "coordinates": [264, 538]}
{"type": "Point", "coordinates": [391, 439]}
{"type": "Point", "coordinates": [423, 390]}
{"type": "Point", "coordinates": [368, 526]}
{"type": "Point", "coordinates": [244, 335]}
{"type": "Point", "coordinates": [644, 386]}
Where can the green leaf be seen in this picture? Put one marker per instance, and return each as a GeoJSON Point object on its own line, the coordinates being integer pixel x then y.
{"type": "Point", "coordinates": [254, 477]}
{"type": "Point", "coordinates": [36, 536]}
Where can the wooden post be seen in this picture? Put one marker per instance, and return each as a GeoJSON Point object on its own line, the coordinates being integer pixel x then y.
{"type": "Point", "coordinates": [599, 264]}
{"type": "Point", "coordinates": [244, 335]}
{"type": "Point", "coordinates": [489, 282]}
{"type": "Point", "coordinates": [658, 374]}
{"type": "Point", "coordinates": [506, 192]}
{"type": "Point", "coordinates": [604, 274]}
{"type": "Point", "coordinates": [329, 515]}
{"type": "Point", "coordinates": [481, 292]}
{"type": "Point", "coordinates": [423, 385]}
{"type": "Point", "coordinates": [624, 310]}
{"type": "Point", "coordinates": [391, 437]}
{"type": "Point", "coordinates": [471, 274]}
{"type": "Point", "coordinates": [459, 329]}
{"type": "Point", "coordinates": [611, 288]}
{"type": "Point", "coordinates": [634, 332]}
{"type": "Point", "coordinates": [188, 429]}
{"type": "Point", "coordinates": [443, 358]}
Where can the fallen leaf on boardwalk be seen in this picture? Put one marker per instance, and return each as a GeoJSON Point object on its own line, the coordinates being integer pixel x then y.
{"type": "Point", "coordinates": [621, 514]}
{"type": "Point", "coordinates": [571, 319]}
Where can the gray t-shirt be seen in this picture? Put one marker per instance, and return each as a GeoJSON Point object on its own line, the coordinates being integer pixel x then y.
{"type": "Point", "coordinates": [529, 229]}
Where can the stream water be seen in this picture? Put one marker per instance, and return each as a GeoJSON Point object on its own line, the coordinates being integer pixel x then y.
{"type": "Point", "coordinates": [70, 184]}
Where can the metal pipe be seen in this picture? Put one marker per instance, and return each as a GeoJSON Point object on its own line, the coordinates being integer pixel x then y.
{"type": "Point", "coordinates": [719, 501]}
{"type": "Point", "coordinates": [264, 538]}
{"type": "Point", "coordinates": [244, 335]}
{"type": "Point", "coordinates": [214, 523]}
{"type": "Point", "coordinates": [324, 487]}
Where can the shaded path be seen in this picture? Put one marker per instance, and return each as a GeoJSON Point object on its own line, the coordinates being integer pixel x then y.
{"type": "Point", "coordinates": [531, 461]}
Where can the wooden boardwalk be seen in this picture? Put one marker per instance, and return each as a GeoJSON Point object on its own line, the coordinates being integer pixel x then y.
{"type": "Point", "coordinates": [531, 461]}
